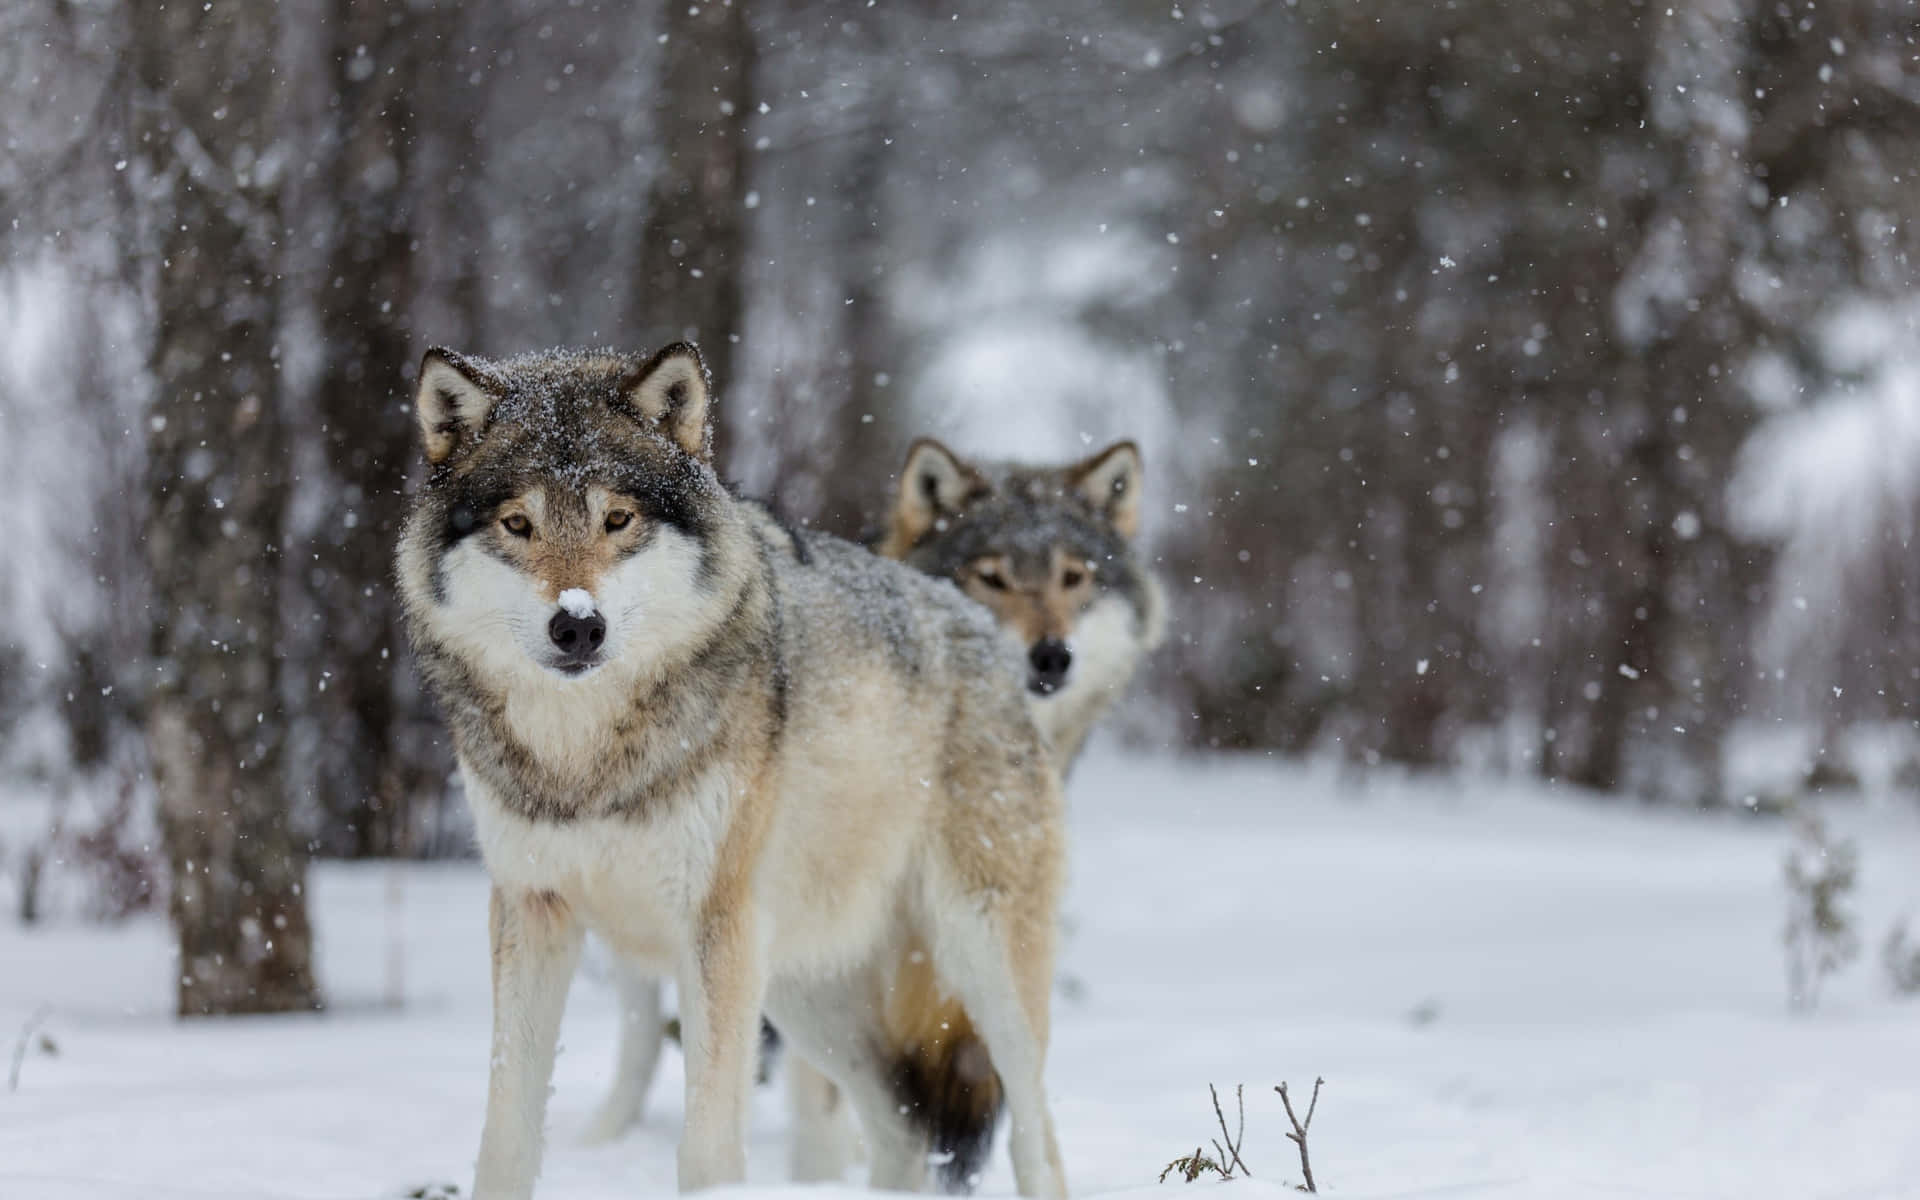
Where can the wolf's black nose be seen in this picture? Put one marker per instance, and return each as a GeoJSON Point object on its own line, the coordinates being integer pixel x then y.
{"type": "Point", "coordinates": [578, 638]}
{"type": "Point", "coordinates": [1048, 661]}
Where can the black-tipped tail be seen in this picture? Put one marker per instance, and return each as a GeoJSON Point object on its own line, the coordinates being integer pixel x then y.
{"type": "Point", "coordinates": [951, 1092]}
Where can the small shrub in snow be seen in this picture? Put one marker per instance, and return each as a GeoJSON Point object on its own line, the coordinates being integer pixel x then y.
{"type": "Point", "coordinates": [32, 1037]}
{"type": "Point", "coordinates": [1902, 959]}
{"type": "Point", "coordinates": [1821, 873]}
{"type": "Point", "coordinates": [1225, 1161]}
{"type": "Point", "coordinates": [1191, 1166]}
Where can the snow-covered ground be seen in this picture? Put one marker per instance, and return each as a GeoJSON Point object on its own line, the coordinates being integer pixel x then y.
{"type": "Point", "coordinates": [1510, 994]}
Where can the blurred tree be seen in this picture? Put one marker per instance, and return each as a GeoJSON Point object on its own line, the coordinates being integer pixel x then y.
{"type": "Point", "coordinates": [852, 463]}
{"type": "Point", "coordinates": [1478, 233]}
{"type": "Point", "coordinates": [1836, 480]}
{"type": "Point", "coordinates": [365, 295]}
{"type": "Point", "coordinates": [1454, 320]}
{"type": "Point", "coordinates": [217, 472]}
{"type": "Point", "coordinates": [693, 248]}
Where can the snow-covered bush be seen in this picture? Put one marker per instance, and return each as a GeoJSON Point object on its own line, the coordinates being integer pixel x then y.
{"type": "Point", "coordinates": [1821, 874]}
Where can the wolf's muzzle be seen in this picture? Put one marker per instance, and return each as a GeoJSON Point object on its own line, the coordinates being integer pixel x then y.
{"type": "Point", "coordinates": [1047, 665]}
{"type": "Point", "coordinates": [577, 638]}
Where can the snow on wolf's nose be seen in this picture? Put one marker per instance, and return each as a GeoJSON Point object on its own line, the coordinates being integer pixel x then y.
{"type": "Point", "coordinates": [578, 602]}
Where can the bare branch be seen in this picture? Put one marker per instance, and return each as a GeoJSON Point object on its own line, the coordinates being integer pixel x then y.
{"type": "Point", "coordinates": [20, 1047]}
{"type": "Point", "coordinates": [1299, 1135]}
{"type": "Point", "coordinates": [1234, 1142]}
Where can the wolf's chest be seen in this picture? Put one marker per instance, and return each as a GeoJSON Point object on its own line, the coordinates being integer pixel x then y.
{"type": "Point", "coordinates": [636, 882]}
{"type": "Point", "coordinates": [568, 734]}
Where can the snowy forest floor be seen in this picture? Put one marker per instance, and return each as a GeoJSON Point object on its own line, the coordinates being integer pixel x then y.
{"type": "Point", "coordinates": [1509, 994]}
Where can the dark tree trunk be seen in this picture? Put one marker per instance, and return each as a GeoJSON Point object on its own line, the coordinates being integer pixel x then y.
{"type": "Point", "coordinates": [865, 437]}
{"type": "Point", "coordinates": [365, 296]}
{"type": "Point", "coordinates": [1629, 657]}
{"type": "Point", "coordinates": [693, 247]}
{"type": "Point", "coordinates": [217, 474]}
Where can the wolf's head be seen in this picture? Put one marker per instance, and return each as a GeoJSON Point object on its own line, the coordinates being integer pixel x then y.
{"type": "Point", "coordinates": [1046, 548]}
{"type": "Point", "coordinates": [564, 523]}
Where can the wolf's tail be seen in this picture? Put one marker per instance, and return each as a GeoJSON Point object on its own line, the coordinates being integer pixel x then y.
{"type": "Point", "coordinates": [942, 1075]}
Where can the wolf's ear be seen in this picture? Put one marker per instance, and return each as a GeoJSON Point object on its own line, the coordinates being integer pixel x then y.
{"type": "Point", "coordinates": [671, 391]}
{"type": "Point", "coordinates": [935, 483]}
{"type": "Point", "coordinates": [1110, 482]}
{"type": "Point", "coordinates": [452, 401]}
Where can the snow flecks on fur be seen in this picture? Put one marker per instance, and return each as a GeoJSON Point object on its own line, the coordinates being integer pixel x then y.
{"type": "Point", "coordinates": [865, 604]}
{"type": "Point", "coordinates": [578, 602]}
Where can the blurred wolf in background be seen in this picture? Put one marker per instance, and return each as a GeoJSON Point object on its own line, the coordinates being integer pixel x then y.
{"type": "Point", "coordinates": [767, 762]}
{"type": "Point", "coordinates": [1049, 550]}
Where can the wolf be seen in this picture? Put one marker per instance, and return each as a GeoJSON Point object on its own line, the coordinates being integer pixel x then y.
{"type": "Point", "coordinates": [1049, 550]}
{"type": "Point", "coordinates": [762, 760]}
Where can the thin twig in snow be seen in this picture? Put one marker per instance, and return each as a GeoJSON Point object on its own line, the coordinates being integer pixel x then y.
{"type": "Point", "coordinates": [20, 1047]}
{"type": "Point", "coordinates": [1299, 1135]}
{"type": "Point", "coordinates": [1230, 1153]}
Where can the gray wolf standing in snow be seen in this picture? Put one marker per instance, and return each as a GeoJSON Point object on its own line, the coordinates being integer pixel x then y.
{"type": "Point", "coordinates": [765, 761]}
{"type": "Point", "coordinates": [1049, 550]}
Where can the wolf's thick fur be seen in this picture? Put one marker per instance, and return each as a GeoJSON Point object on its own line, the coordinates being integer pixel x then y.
{"type": "Point", "coordinates": [765, 761]}
{"type": "Point", "coordinates": [1049, 551]}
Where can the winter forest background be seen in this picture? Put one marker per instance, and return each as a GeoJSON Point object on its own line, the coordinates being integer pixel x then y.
{"type": "Point", "coordinates": [1527, 388]}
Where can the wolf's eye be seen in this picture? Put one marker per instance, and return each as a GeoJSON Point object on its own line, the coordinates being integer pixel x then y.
{"type": "Point", "coordinates": [1072, 577]}
{"type": "Point", "coordinates": [618, 519]}
{"type": "Point", "coordinates": [517, 525]}
{"type": "Point", "coordinates": [992, 578]}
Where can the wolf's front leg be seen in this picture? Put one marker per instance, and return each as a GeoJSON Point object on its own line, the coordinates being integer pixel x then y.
{"type": "Point", "coordinates": [721, 989]}
{"type": "Point", "coordinates": [536, 941]}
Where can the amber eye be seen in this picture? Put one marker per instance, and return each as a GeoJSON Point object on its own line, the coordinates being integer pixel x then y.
{"type": "Point", "coordinates": [517, 525]}
{"type": "Point", "coordinates": [1072, 577]}
{"type": "Point", "coordinates": [992, 578]}
{"type": "Point", "coordinates": [618, 519]}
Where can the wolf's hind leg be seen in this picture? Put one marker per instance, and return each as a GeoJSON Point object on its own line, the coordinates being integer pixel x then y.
{"type": "Point", "coordinates": [836, 1024]}
{"type": "Point", "coordinates": [823, 1134]}
{"type": "Point", "coordinates": [641, 1032]}
{"type": "Point", "coordinates": [1002, 967]}
{"type": "Point", "coordinates": [536, 941]}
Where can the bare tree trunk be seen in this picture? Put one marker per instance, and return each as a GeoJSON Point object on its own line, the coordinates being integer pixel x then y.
{"type": "Point", "coordinates": [1670, 319]}
{"type": "Point", "coordinates": [216, 471]}
{"type": "Point", "coordinates": [1629, 658]}
{"type": "Point", "coordinates": [365, 294]}
{"type": "Point", "coordinates": [856, 486]}
{"type": "Point", "coordinates": [693, 248]}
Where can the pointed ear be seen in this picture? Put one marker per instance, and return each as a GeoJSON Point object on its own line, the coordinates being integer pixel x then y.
{"type": "Point", "coordinates": [1110, 482]}
{"type": "Point", "coordinates": [452, 400]}
{"type": "Point", "coordinates": [935, 483]}
{"type": "Point", "coordinates": [672, 393]}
